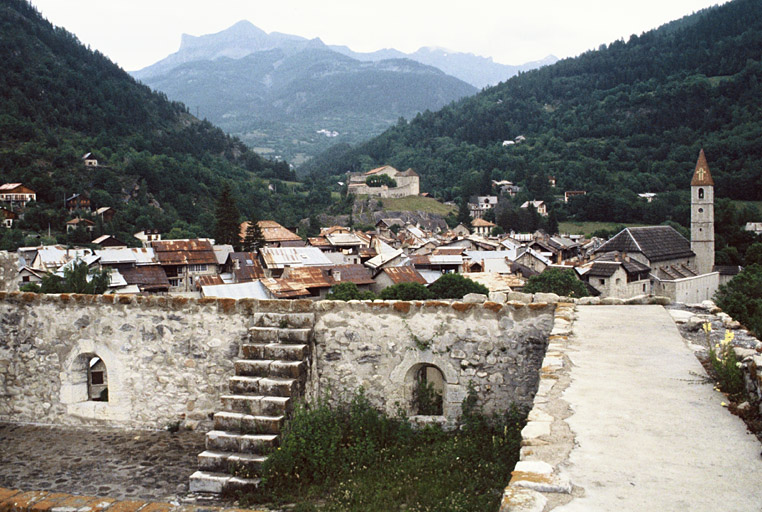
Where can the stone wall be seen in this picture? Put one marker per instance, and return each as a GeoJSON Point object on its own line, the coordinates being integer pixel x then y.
{"type": "Point", "coordinates": [9, 271]}
{"type": "Point", "coordinates": [380, 346]}
{"type": "Point", "coordinates": [169, 359]}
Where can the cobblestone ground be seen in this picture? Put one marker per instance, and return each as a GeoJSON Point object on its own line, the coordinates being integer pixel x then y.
{"type": "Point", "coordinates": [146, 465]}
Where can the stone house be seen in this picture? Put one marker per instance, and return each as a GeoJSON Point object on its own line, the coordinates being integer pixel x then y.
{"type": "Point", "coordinates": [482, 227]}
{"type": "Point", "coordinates": [478, 205]}
{"type": "Point", "coordinates": [184, 261]}
{"type": "Point", "coordinates": [616, 277]}
{"type": "Point", "coordinates": [396, 275]}
{"type": "Point", "coordinates": [538, 205]}
{"type": "Point", "coordinates": [275, 235]}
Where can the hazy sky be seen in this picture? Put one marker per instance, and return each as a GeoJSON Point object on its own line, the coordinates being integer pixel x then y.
{"type": "Point", "coordinates": [137, 33]}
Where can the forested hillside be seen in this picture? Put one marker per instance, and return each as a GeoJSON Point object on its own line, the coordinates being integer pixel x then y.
{"type": "Point", "coordinates": [159, 166]}
{"type": "Point", "coordinates": [627, 118]}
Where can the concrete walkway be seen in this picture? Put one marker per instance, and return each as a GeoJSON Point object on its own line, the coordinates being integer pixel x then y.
{"type": "Point", "coordinates": [650, 433]}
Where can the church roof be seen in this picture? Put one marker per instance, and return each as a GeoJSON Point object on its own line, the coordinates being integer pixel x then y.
{"type": "Point", "coordinates": [657, 243]}
{"type": "Point", "coordinates": [702, 176]}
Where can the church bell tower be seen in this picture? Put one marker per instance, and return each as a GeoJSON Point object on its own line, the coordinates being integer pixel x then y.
{"type": "Point", "coordinates": [702, 216]}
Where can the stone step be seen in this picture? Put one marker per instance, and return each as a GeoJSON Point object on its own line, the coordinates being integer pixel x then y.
{"type": "Point", "coordinates": [217, 483]}
{"type": "Point", "coordinates": [270, 368]}
{"type": "Point", "coordinates": [243, 465]}
{"type": "Point", "coordinates": [221, 440]}
{"type": "Point", "coordinates": [242, 385]}
{"type": "Point", "coordinates": [283, 335]}
{"type": "Point", "coordinates": [248, 423]}
{"type": "Point", "coordinates": [284, 351]}
{"type": "Point", "coordinates": [257, 405]}
{"type": "Point", "coordinates": [285, 320]}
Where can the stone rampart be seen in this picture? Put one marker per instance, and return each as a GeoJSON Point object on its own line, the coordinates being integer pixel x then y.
{"type": "Point", "coordinates": [168, 359]}
{"type": "Point", "coordinates": [381, 346]}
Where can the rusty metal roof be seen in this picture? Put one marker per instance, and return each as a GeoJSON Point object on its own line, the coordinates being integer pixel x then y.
{"type": "Point", "coordinates": [146, 277]}
{"type": "Point", "coordinates": [274, 232]}
{"type": "Point", "coordinates": [184, 252]}
{"type": "Point", "coordinates": [282, 289]}
{"type": "Point", "coordinates": [308, 277]}
{"type": "Point", "coordinates": [208, 281]}
{"type": "Point", "coordinates": [404, 275]}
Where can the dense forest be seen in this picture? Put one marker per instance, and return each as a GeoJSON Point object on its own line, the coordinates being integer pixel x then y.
{"type": "Point", "coordinates": [625, 119]}
{"type": "Point", "coordinates": [159, 167]}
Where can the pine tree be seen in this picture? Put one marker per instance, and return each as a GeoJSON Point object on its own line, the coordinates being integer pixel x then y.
{"type": "Point", "coordinates": [254, 239]}
{"type": "Point", "coordinates": [227, 227]}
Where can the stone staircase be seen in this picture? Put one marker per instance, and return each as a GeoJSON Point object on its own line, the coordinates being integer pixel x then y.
{"type": "Point", "coordinates": [271, 375]}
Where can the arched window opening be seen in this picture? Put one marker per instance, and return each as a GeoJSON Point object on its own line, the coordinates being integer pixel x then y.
{"type": "Point", "coordinates": [97, 380]}
{"type": "Point", "coordinates": [701, 193]}
{"type": "Point", "coordinates": [428, 391]}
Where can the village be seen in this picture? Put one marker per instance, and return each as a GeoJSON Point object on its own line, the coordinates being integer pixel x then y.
{"type": "Point", "coordinates": [650, 260]}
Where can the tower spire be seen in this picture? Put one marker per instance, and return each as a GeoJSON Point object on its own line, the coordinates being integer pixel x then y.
{"type": "Point", "coordinates": [702, 176]}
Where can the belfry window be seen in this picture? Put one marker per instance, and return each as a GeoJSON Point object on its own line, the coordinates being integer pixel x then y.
{"type": "Point", "coordinates": [701, 193]}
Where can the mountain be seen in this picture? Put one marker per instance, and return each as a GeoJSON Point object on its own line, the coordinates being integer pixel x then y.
{"type": "Point", "coordinates": [160, 167]}
{"type": "Point", "coordinates": [625, 119]}
{"type": "Point", "coordinates": [293, 97]}
{"type": "Point", "coordinates": [478, 71]}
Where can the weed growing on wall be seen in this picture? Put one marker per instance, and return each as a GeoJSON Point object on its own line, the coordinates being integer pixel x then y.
{"type": "Point", "coordinates": [351, 457]}
{"type": "Point", "coordinates": [726, 366]}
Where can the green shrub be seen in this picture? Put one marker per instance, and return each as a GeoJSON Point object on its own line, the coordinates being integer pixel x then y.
{"type": "Point", "coordinates": [378, 180]}
{"type": "Point", "coordinates": [426, 399]}
{"type": "Point", "coordinates": [321, 441]}
{"type": "Point", "coordinates": [350, 457]}
{"type": "Point", "coordinates": [559, 281]}
{"type": "Point", "coordinates": [406, 291]}
{"type": "Point", "coordinates": [741, 298]}
{"type": "Point", "coordinates": [455, 286]}
{"type": "Point", "coordinates": [348, 291]}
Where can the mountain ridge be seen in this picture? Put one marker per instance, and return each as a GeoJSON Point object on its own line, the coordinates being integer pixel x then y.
{"type": "Point", "coordinates": [291, 97]}
{"type": "Point", "coordinates": [244, 38]}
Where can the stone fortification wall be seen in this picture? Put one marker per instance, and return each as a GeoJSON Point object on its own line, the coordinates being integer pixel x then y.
{"type": "Point", "coordinates": [381, 346]}
{"type": "Point", "coordinates": [9, 271]}
{"type": "Point", "coordinates": [169, 359]}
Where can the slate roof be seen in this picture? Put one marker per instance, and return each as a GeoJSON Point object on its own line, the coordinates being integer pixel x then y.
{"type": "Point", "coordinates": [248, 269]}
{"type": "Point", "coordinates": [657, 243]}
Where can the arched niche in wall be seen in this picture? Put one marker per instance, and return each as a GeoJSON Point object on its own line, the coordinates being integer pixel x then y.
{"type": "Point", "coordinates": [90, 383]}
{"type": "Point", "coordinates": [438, 374]}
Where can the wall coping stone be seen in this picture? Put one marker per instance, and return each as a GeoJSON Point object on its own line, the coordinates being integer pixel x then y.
{"type": "Point", "coordinates": [250, 306]}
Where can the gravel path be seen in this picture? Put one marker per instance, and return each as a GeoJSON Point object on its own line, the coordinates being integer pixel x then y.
{"type": "Point", "coordinates": [147, 465]}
